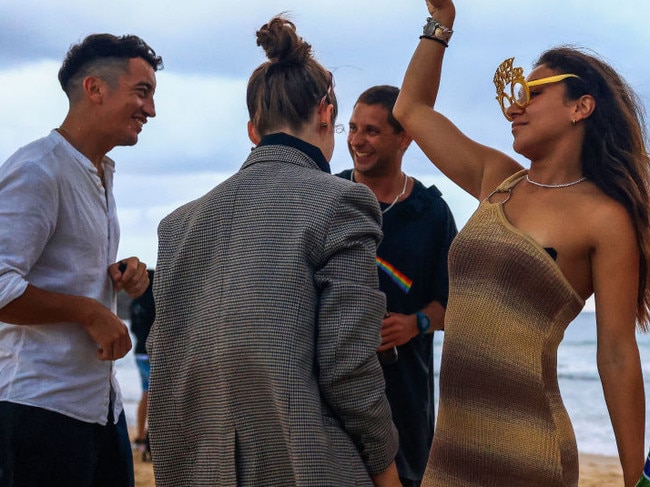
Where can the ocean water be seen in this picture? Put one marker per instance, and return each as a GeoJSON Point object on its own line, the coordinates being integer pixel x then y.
{"type": "Point", "coordinates": [577, 374]}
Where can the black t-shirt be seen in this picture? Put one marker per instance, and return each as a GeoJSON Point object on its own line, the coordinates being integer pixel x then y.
{"type": "Point", "coordinates": [143, 313]}
{"type": "Point", "coordinates": [412, 266]}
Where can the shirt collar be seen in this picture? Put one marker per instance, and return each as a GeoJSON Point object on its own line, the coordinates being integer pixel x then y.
{"type": "Point", "coordinates": [310, 150]}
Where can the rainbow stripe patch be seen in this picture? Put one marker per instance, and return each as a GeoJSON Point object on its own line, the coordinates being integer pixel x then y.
{"type": "Point", "coordinates": [400, 279]}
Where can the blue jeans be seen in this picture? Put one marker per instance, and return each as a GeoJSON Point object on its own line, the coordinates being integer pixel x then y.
{"type": "Point", "coordinates": [40, 447]}
{"type": "Point", "coordinates": [145, 370]}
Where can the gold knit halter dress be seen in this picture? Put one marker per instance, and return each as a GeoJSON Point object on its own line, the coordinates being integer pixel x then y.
{"type": "Point", "coordinates": [501, 421]}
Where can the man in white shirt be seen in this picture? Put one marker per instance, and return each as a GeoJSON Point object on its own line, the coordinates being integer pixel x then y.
{"type": "Point", "coordinates": [61, 417]}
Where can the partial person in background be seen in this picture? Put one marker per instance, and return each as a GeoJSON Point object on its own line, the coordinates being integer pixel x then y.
{"type": "Point", "coordinates": [268, 314]}
{"type": "Point", "coordinates": [542, 241]}
{"type": "Point", "coordinates": [61, 416]}
{"type": "Point", "coordinates": [142, 311]}
{"type": "Point", "coordinates": [418, 228]}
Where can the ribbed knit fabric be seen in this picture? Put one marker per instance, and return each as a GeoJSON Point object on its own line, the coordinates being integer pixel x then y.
{"type": "Point", "coordinates": [501, 420]}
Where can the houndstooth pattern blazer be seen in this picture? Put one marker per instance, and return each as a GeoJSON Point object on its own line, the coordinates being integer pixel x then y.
{"type": "Point", "coordinates": [268, 316]}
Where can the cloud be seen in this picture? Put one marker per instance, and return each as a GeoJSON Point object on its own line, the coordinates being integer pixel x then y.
{"type": "Point", "coordinates": [144, 200]}
{"type": "Point", "coordinates": [201, 126]}
{"type": "Point", "coordinates": [31, 103]}
{"type": "Point", "coordinates": [199, 136]}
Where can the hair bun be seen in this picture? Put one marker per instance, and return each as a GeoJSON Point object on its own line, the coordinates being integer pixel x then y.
{"type": "Point", "coordinates": [281, 42]}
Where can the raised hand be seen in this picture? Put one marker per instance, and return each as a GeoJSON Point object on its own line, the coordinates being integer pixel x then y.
{"type": "Point", "coordinates": [442, 9]}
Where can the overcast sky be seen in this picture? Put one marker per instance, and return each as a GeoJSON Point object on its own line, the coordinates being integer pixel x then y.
{"type": "Point", "coordinates": [208, 47]}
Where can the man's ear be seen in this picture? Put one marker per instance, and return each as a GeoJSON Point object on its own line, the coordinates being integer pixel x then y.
{"type": "Point", "coordinates": [93, 87]}
{"type": "Point", "coordinates": [405, 141]}
{"type": "Point", "coordinates": [252, 133]}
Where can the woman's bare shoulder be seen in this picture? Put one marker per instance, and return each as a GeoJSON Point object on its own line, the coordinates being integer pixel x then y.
{"type": "Point", "coordinates": [605, 217]}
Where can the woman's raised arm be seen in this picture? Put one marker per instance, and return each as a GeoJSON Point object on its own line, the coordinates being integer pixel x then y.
{"type": "Point", "coordinates": [476, 168]}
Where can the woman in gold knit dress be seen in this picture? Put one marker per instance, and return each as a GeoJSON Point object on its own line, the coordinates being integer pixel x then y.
{"type": "Point", "coordinates": [541, 242]}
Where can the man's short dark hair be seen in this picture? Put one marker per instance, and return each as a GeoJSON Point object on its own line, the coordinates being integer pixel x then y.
{"type": "Point", "coordinates": [103, 49]}
{"type": "Point", "coordinates": [385, 96]}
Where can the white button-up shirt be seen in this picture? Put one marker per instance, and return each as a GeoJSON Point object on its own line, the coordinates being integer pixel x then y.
{"type": "Point", "coordinates": [58, 232]}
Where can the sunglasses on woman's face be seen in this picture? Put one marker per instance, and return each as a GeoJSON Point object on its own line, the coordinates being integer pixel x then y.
{"type": "Point", "coordinates": [513, 89]}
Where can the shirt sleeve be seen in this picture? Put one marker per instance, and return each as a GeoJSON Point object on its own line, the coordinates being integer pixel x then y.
{"type": "Point", "coordinates": [28, 208]}
{"type": "Point", "coordinates": [447, 233]}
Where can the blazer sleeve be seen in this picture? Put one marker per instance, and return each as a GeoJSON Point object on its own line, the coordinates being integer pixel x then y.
{"type": "Point", "coordinates": [350, 313]}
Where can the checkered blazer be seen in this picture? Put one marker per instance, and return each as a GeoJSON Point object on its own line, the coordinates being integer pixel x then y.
{"type": "Point", "coordinates": [263, 363]}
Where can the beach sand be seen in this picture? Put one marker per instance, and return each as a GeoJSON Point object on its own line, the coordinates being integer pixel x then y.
{"type": "Point", "coordinates": [595, 471]}
{"type": "Point", "coordinates": [143, 471]}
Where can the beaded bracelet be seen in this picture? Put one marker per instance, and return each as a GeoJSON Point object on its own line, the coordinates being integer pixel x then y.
{"type": "Point", "coordinates": [440, 41]}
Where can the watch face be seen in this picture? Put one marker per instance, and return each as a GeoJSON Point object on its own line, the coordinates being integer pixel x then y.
{"type": "Point", "coordinates": [433, 29]}
{"type": "Point", "coordinates": [423, 322]}
{"type": "Point", "coordinates": [440, 33]}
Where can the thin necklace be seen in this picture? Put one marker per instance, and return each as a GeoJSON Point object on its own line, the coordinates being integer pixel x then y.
{"type": "Point", "coordinates": [560, 185]}
{"type": "Point", "coordinates": [406, 180]}
{"type": "Point", "coordinates": [64, 132]}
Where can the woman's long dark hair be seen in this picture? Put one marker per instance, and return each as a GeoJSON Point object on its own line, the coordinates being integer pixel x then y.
{"type": "Point", "coordinates": [614, 153]}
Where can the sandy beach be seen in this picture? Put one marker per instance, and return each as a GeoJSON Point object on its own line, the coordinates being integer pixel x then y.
{"type": "Point", "coordinates": [143, 471]}
{"type": "Point", "coordinates": [601, 471]}
{"type": "Point", "coordinates": [595, 471]}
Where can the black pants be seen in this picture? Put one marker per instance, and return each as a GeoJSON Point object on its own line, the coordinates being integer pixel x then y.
{"type": "Point", "coordinates": [43, 448]}
{"type": "Point", "coordinates": [410, 483]}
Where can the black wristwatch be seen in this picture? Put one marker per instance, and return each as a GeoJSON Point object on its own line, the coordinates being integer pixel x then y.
{"type": "Point", "coordinates": [424, 323]}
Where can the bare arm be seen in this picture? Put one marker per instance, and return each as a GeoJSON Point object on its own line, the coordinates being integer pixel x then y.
{"type": "Point", "coordinates": [38, 306]}
{"type": "Point", "coordinates": [615, 267]}
{"type": "Point", "coordinates": [398, 329]}
{"type": "Point", "coordinates": [474, 167]}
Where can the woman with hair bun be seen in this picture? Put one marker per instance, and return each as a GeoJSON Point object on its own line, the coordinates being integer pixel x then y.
{"type": "Point", "coordinates": [263, 355]}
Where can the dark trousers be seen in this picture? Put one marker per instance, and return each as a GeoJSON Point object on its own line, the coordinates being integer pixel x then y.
{"type": "Point", "coordinates": [43, 448]}
{"type": "Point", "coordinates": [410, 483]}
